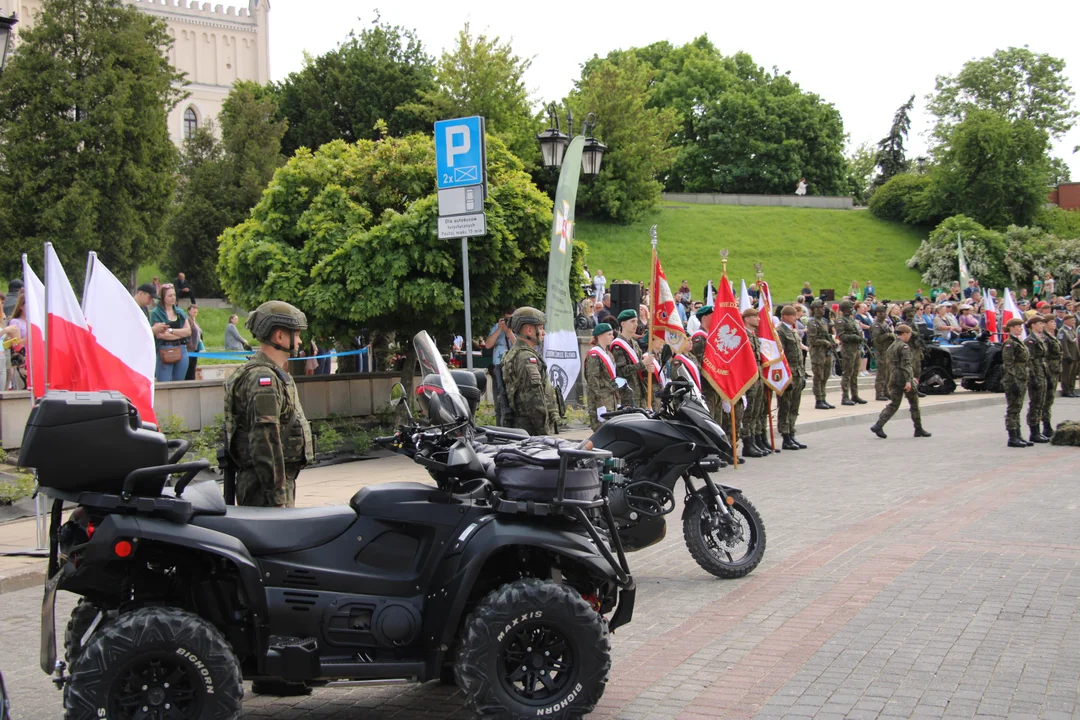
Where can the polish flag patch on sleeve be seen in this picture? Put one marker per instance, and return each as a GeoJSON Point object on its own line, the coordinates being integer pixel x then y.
{"type": "Point", "coordinates": [264, 381]}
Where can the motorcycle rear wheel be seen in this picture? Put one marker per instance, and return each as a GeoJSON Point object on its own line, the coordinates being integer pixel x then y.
{"type": "Point", "coordinates": [724, 557]}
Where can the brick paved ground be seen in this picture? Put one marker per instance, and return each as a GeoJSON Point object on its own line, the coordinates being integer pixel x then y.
{"type": "Point", "coordinates": [903, 578]}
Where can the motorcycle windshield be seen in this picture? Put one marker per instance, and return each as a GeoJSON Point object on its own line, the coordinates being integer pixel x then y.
{"type": "Point", "coordinates": [685, 373]}
{"type": "Point", "coordinates": [432, 363]}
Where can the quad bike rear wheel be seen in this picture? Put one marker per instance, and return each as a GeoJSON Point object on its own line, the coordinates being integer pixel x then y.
{"type": "Point", "coordinates": [155, 663]}
{"type": "Point", "coordinates": [82, 618]}
{"type": "Point", "coordinates": [533, 648]}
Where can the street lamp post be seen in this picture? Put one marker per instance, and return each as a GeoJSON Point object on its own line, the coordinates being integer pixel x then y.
{"type": "Point", "coordinates": [554, 144]}
{"type": "Point", "coordinates": [7, 34]}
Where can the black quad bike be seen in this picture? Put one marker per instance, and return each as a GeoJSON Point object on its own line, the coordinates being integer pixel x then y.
{"type": "Point", "coordinates": [974, 363]}
{"type": "Point", "coordinates": [654, 451]}
{"type": "Point", "coordinates": [183, 597]}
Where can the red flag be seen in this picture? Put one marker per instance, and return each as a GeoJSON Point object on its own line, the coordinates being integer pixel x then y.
{"type": "Point", "coordinates": [729, 362]}
{"type": "Point", "coordinates": [776, 373]}
{"type": "Point", "coordinates": [991, 314]}
{"type": "Point", "coordinates": [124, 343]}
{"type": "Point", "coordinates": [71, 349]}
{"type": "Point", "coordinates": [665, 315]}
{"type": "Point", "coordinates": [34, 316]}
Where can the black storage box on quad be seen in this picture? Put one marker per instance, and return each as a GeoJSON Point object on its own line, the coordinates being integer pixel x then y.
{"type": "Point", "coordinates": [530, 471]}
{"type": "Point", "coordinates": [90, 441]}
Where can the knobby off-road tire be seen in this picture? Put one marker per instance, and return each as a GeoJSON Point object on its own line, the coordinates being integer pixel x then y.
{"type": "Point", "coordinates": [521, 629]}
{"type": "Point", "coordinates": [182, 661]}
{"type": "Point", "coordinates": [82, 617]}
{"type": "Point", "coordinates": [714, 556]}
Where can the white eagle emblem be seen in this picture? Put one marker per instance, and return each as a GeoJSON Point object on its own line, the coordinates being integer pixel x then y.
{"type": "Point", "coordinates": [727, 340]}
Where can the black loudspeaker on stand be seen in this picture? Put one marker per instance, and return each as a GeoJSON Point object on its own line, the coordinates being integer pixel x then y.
{"type": "Point", "coordinates": [624, 296]}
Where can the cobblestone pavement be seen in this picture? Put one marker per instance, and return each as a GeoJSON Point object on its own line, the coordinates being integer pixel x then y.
{"type": "Point", "coordinates": [903, 578]}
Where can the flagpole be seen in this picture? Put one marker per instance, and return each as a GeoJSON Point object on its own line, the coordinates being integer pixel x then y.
{"type": "Point", "coordinates": [768, 409]}
{"type": "Point", "coordinates": [768, 390]}
{"type": "Point", "coordinates": [45, 323]}
{"type": "Point", "coordinates": [653, 289]}
{"type": "Point", "coordinates": [86, 281]}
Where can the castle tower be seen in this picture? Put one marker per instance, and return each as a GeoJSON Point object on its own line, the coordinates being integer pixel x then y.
{"type": "Point", "coordinates": [213, 45]}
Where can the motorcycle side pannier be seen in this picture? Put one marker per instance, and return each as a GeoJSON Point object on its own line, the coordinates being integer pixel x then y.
{"type": "Point", "coordinates": [90, 441]}
{"type": "Point", "coordinates": [530, 471]}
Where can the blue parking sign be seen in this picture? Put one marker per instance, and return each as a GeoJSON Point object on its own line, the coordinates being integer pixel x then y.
{"type": "Point", "coordinates": [460, 152]}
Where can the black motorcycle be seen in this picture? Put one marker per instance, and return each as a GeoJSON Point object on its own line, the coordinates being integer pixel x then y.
{"type": "Point", "coordinates": [722, 529]}
{"type": "Point", "coordinates": [501, 586]}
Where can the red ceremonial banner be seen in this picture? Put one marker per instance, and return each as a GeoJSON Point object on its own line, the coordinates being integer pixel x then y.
{"type": "Point", "coordinates": [729, 362]}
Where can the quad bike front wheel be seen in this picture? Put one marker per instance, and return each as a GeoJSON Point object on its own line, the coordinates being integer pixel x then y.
{"type": "Point", "coordinates": [157, 663]}
{"type": "Point", "coordinates": [533, 648]}
{"type": "Point", "coordinates": [727, 547]}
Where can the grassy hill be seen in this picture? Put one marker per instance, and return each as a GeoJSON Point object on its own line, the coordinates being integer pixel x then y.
{"type": "Point", "coordinates": [828, 248]}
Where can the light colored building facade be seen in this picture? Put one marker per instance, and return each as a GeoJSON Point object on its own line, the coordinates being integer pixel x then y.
{"type": "Point", "coordinates": [213, 45]}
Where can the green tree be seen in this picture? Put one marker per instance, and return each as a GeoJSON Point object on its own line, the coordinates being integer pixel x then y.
{"type": "Point", "coordinates": [1031, 250]}
{"type": "Point", "coordinates": [860, 173]}
{"type": "Point", "coordinates": [984, 251]}
{"type": "Point", "coordinates": [221, 181]}
{"type": "Point", "coordinates": [1014, 83]}
{"type": "Point", "coordinates": [637, 138]}
{"type": "Point", "coordinates": [890, 158]}
{"type": "Point", "coordinates": [902, 199]}
{"type": "Point", "coordinates": [344, 93]}
{"type": "Point", "coordinates": [85, 157]}
{"type": "Point", "coordinates": [483, 76]}
{"type": "Point", "coordinates": [349, 234]}
{"type": "Point", "coordinates": [992, 169]}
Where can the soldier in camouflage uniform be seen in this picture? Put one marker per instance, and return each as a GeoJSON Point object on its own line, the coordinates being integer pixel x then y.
{"type": "Point", "coordinates": [601, 391]}
{"type": "Point", "coordinates": [1036, 377]}
{"type": "Point", "coordinates": [881, 337]}
{"type": "Point", "coordinates": [1053, 372]}
{"type": "Point", "coordinates": [821, 343]}
{"type": "Point", "coordinates": [629, 364]}
{"type": "Point", "coordinates": [787, 411]}
{"type": "Point", "coordinates": [528, 387]}
{"type": "Point", "coordinates": [851, 338]}
{"type": "Point", "coordinates": [1015, 360]}
{"type": "Point", "coordinates": [917, 344]}
{"type": "Point", "coordinates": [755, 395]}
{"type": "Point", "coordinates": [269, 439]}
{"type": "Point", "coordinates": [1070, 356]}
{"type": "Point", "coordinates": [697, 352]}
{"type": "Point", "coordinates": [902, 382]}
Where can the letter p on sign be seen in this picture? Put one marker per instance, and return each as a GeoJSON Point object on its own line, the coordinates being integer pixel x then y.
{"type": "Point", "coordinates": [455, 147]}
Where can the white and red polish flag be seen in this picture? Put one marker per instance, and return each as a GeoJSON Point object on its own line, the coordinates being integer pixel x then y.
{"type": "Point", "coordinates": [1010, 311]}
{"type": "Point", "coordinates": [991, 314]}
{"type": "Point", "coordinates": [71, 349]}
{"type": "Point", "coordinates": [775, 371]}
{"type": "Point", "coordinates": [124, 343]}
{"type": "Point", "coordinates": [34, 315]}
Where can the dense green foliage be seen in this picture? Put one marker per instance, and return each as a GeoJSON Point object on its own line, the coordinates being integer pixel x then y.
{"type": "Point", "coordinates": [221, 182]}
{"type": "Point", "coordinates": [1054, 220]}
{"type": "Point", "coordinates": [1032, 250]}
{"type": "Point", "coordinates": [743, 128]}
{"type": "Point", "coordinates": [349, 234]}
{"type": "Point", "coordinates": [344, 93]}
{"type": "Point", "coordinates": [637, 139]}
{"type": "Point", "coordinates": [85, 157]}
{"type": "Point", "coordinates": [828, 248]}
{"type": "Point", "coordinates": [984, 251]}
{"type": "Point", "coordinates": [902, 198]}
{"type": "Point", "coordinates": [992, 169]}
{"type": "Point", "coordinates": [1014, 83]}
{"type": "Point", "coordinates": [890, 158]}
{"type": "Point", "coordinates": [483, 76]}
{"type": "Point", "coordinates": [861, 167]}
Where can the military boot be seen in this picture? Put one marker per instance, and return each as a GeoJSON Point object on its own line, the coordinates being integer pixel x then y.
{"type": "Point", "coordinates": [857, 400]}
{"type": "Point", "coordinates": [847, 401]}
{"type": "Point", "coordinates": [919, 432]}
{"type": "Point", "coordinates": [1015, 440]}
{"type": "Point", "coordinates": [789, 443]}
{"type": "Point", "coordinates": [1036, 436]}
{"type": "Point", "coordinates": [763, 444]}
{"type": "Point", "coordinates": [749, 449]}
{"type": "Point", "coordinates": [796, 441]}
{"type": "Point", "coordinates": [822, 405]}
{"type": "Point", "coordinates": [1048, 432]}
{"type": "Point", "coordinates": [876, 429]}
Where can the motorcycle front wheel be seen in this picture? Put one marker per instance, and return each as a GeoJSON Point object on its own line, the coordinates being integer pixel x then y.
{"type": "Point", "coordinates": [725, 550]}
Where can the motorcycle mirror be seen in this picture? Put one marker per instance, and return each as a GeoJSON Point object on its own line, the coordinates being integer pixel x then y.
{"type": "Point", "coordinates": [665, 355]}
{"type": "Point", "coordinates": [620, 383]}
{"type": "Point", "coordinates": [397, 394]}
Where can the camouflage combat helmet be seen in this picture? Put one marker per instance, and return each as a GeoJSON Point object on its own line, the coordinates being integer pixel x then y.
{"type": "Point", "coordinates": [526, 316]}
{"type": "Point", "coordinates": [846, 305]}
{"type": "Point", "coordinates": [274, 314]}
{"type": "Point", "coordinates": [817, 304]}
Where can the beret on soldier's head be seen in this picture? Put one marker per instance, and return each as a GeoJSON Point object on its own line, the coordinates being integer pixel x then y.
{"type": "Point", "coordinates": [1013, 323]}
{"type": "Point", "coordinates": [749, 312]}
{"type": "Point", "coordinates": [601, 329]}
{"type": "Point", "coordinates": [703, 311]}
{"type": "Point", "coordinates": [627, 315]}
{"type": "Point", "coordinates": [1049, 319]}
{"type": "Point", "coordinates": [902, 329]}
{"type": "Point", "coordinates": [789, 311]}
{"type": "Point", "coordinates": [1036, 318]}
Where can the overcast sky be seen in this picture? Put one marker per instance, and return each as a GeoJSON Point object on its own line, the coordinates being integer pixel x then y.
{"type": "Point", "coordinates": [864, 57]}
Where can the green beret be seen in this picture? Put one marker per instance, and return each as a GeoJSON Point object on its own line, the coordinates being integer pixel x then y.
{"type": "Point", "coordinates": [601, 329]}
{"type": "Point", "coordinates": [627, 315]}
{"type": "Point", "coordinates": [703, 311]}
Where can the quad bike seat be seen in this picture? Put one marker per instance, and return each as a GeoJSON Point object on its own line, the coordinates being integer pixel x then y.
{"type": "Point", "coordinates": [269, 531]}
{"type": "Point", "coordinates": [205, 498]}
